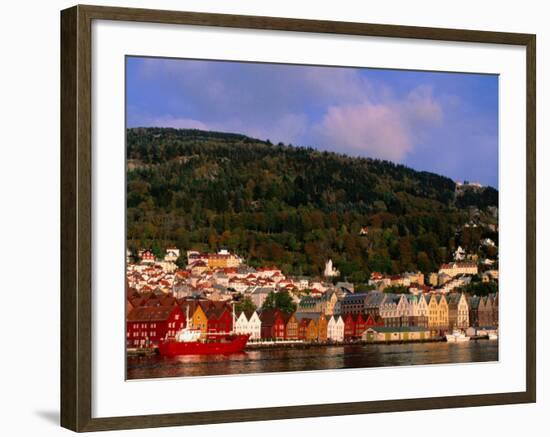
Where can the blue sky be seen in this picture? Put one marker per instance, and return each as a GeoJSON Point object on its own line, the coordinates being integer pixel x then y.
{"type": "Point", "coordinates": [446, 123]}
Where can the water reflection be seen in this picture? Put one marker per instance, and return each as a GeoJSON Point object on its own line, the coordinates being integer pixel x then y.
{"type": "Point", "coordinates": [320, 358]}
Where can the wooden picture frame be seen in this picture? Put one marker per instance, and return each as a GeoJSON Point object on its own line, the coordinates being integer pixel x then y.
{"type": "Point", "coordinates": [76, 217]}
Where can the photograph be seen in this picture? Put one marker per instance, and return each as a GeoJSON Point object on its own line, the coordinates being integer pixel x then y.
{"type": "Point", "coordinates": [299, 217]}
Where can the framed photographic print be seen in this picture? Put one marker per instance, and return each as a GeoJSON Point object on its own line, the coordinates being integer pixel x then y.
{"type": "Point", "coordinates": [303, 209]}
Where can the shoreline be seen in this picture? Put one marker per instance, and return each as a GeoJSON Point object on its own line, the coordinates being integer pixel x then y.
{"type": "Point", "coordinates": [311, 345]}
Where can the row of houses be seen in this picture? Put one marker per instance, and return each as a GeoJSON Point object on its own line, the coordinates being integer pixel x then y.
{"type": "Point", "coordinates": [310, 327]}
{"type": "Point", "coordinates": [153, 318]}
{"type": "Point", "coordinates": [400, 317]}
{"type": "Point", "coordinates": [436, 311]}
{"type": "Point", "coordinates": [147, 326]}
{"type": "Point", "coordinates": [149, 318]}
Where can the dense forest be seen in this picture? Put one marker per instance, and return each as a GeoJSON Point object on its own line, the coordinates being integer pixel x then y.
{"type": "Point", "coordinates": [295, 207]}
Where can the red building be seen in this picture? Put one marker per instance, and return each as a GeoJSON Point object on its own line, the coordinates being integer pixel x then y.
{"type": "Point", "coordinates": [146, 326]}
{"type": "Point", "coordinates": [373, 321]}
{"type": "Point", "coordinates": [360, 325]}
{"type": "Point", "coordinates": [273, 324]}
{"type": "Point", "coordinates": [349, 327]}
{"type": "Point", "coordinates": [147, 256]}
{"type": "Point", "coordinates": [220, 319]}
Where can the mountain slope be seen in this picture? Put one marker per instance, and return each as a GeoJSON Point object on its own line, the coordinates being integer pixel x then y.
{"type": "Point", "coordinates": [293, 206]}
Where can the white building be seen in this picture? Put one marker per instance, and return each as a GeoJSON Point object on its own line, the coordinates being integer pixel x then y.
{"type": "Point", "coordinates": [335, 328]}
{"type": "Point", "coordinates": [418, 307]}
{"type": "Point", "coordinates": [458, 268]}
{"type": "Point", "coordinates": [330, 271]}
{"type": "Point", "coordinates": [172, 254]}
{"type": "Point", "coordinates": [251, 325]}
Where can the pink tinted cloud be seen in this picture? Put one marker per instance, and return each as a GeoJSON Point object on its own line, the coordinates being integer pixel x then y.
{"type": "Point", "coordinates": [366, 129]}
{"type": "Point", "coordinates": [385, 130]}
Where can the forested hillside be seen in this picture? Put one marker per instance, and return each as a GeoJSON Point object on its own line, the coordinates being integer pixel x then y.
{"type": "Point", "coordinates": [294, 207]}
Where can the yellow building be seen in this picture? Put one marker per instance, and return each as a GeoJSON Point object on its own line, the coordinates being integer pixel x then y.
{"type": "Point", "coordinates": [309, 329]}
{"type": "Point", "coordinates": [223, 259]}
{"type": "Point", "coordinates": [322, 327]}
{"type": "Point", "coordinates": [438, 312]}
{"type": "Point", "coordinates": [199, 320]}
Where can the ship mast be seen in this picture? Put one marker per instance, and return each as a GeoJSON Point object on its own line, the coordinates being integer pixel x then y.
{"type": "Point", "coordinates": [233, 317]}
{"type": "Point", "coordinates": [187, 317]}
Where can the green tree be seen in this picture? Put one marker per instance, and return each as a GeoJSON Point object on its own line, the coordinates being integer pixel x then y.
{"type": "Point", "coordinates": [397, 289]}
{"type": "Point", "coordinates": [281, 301]}
{"type": "Point", "coordinates": [245, 305]}
{"type": "Point", "coordinates": [181, 262]}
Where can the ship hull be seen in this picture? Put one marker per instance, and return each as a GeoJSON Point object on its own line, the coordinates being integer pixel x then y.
{"type": "Point", "coordinates": [229, 345]}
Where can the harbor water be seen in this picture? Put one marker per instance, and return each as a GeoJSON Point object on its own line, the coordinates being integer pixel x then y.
{"type": "Point", "coordinates": [314, 358]}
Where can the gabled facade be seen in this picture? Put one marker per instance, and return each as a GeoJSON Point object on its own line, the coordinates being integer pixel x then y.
{"type": "Point", "coordinates": [438, 313]}
{"type": "Point", "coordinates": [199, 320]}
{"type": "Point", "coordinates": [308, 330]}
{"type": "Point", "coordinates": [335, 329]}
{"type": "Point", "coordinates": [220, 320]}
{"type": "Point", "coordinates": [273, 325]}
{"type": "Point", "coordinates": [291, 327]}
{"type": "Point", "coordinates": [249, 324]}
{"type": "Point", "coordinates": [390, 310]}
{"type": "Point", "coordinates": [349, 326]}
{"type": "Point", "coordinates": [488, 311]}
{"type": "Point", "coordinates": [458, 311]}
{"type": "Point", "coordinates": [241, 324]}
{"type": "Point", "coordinates": [255, 326]}
{"type": "Point", "coordinates": [320, 323]}
{"type": "Point", "coordinates": [473, 306]}
{"type": "Point", "coordinates": [360, 325]}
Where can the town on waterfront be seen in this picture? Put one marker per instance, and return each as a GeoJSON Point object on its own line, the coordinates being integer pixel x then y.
{"type": "Point", "coordinates": [367, 245]}
{"type": "Point", "coordinates": [218, 293]}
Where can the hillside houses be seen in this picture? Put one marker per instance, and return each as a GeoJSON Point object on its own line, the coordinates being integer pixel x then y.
{"type": "Point", "coordinates": [222, 259]}
{"type": "Point", "coordinates": [458, 268]}
{"type": "Point", "coordinates": [380, 281]}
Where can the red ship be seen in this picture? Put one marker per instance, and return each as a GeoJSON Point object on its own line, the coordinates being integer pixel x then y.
{"type": "Point", "coordinates": [190, 341]}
